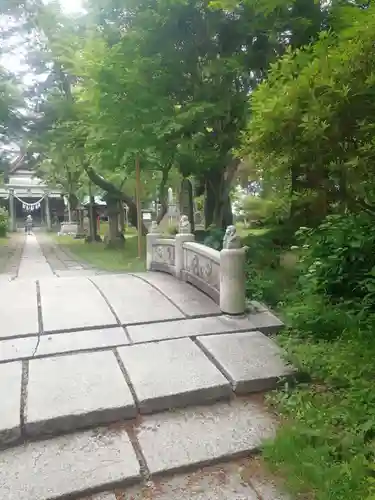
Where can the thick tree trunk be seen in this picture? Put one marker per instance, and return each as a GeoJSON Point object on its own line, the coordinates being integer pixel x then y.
{"type": "Point", "coordinates": [187, 202]}
{"type": "Point", "coordinates": [99, 181]}
{"type": "Point", "coordinates": [218, 208]}
{"type": "Point", "coordinates": [163, 195]}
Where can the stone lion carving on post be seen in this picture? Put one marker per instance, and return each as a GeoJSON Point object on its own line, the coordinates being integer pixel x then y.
{"type": "Point", "coordinates": [231, 239]}
{"type": "Point", "coordinates": [184, 226]}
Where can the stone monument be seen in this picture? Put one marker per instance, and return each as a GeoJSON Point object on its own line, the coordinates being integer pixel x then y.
{"type": "Point", "coordinates": [186, 201]}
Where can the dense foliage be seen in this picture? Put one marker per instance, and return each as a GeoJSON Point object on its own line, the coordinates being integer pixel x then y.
{"type": "Point", "coordinates": [312, 135]}
{"type": "Point", "coordinates": [4, 219]}
{"type": "Point", "coordinates": [188, 88]}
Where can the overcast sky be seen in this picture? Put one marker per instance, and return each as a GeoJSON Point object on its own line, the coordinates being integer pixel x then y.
{"type": "Point", "coordinates": [14, 61]}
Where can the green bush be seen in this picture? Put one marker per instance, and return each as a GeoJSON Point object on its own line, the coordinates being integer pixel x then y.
{"type": "Point", "coordinates": [4, 221]}
{"type": "Point", "coordinates": [338, 259]}
{"type": "Point", "coordinates": [265, 210]}
{"type": "Point", "coordinates": [214, 237]}
{"type": "Point", "coordinates": [267, 280]}
{"type": "Point", "coordinates": [325, 447]}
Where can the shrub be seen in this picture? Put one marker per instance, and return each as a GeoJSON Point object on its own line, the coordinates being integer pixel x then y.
{"type": "Point", "coordinates": [214, 237]}
{"type": "Point", "coordinates": [338, 259]}
{"type": "Point", "coordinates": [267, 211]}
{"type": "Point", "coordinates": [4, 221]}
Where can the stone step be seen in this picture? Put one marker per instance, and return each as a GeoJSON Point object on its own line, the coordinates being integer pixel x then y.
{"type": "Point", "coordinates": [240, 479]}
{"type": "Point", "coordinates": [28, 344]}
{"type": "Point", "coordinates": [56, 305]}
{"type": "Point", "coordinates": [57, 394]}
{"type": "Point", "coordinates": [104, 458]}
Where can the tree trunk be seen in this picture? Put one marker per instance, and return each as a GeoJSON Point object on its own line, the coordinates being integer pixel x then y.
{"type": "Point", "coordinates": [93, 236]}
{"type": "Point", "coordinates": [114, 238]}
{"type": "Point", "coordinates": [163, 195]}
{"type": "Point", "coordinates": [121, 218]}
{"type": "Point", "coordinates": [99, 181]}
{"type": "Point", "coordinates": [217, 207]}
{"type": "Point", "coordinates": [187, 202]}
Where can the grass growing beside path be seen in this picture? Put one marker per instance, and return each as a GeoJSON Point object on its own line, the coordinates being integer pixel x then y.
{"type": "Point", "coordinates": [106, 258]}
{"type": "Point", "coordinates": [325, 447]}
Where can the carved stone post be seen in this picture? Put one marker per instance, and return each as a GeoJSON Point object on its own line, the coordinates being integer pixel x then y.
{"type": "Point", "coordinates": [232, 274]}
{"type": "Point", "coordinates": [151, 238]}
{"type": "Point", "coordinates": [183, 236]}
{"type": "Point", "coordinates": [12, 214]}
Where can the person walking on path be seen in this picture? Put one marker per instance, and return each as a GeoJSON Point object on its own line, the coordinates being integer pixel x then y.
{"type": "Point", "coordinates": [28, 224]}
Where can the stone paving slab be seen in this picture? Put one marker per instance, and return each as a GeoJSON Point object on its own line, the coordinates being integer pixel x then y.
{"type": "Point", "coordinates": [15, 349]}
{"type": "Point", "coordinates": [171, 374]}
{"type": "Point", "coordinates": [251, 361]}
{"type": "Point", "coordinates": [188, 327]}
{"type": "Point", "coordinates": [241, 479]}
{"type": "Point", "coordinates": [102, 496]}
{"type": "Point", "coordinates": [81, 340]}
{"type": "Point", "coordinates": [10, 402]}
{"type": "Point", "coordinates": [68, 465]}
{"type": "Point", "coordinates": [72, 303]}
{"type": "Point", "coordinates": [188, 298]}
{"type": "Point", "coordinates": [18, 309]}
{"type": "Point", "coordinates": [200, 435]}
{"type": "Point", "coordinates": [218, 482]}
{"type": "Point", "coordinates": [75, 391]}
{"type": "Point", "coordinates": [266, 322]}
{"type": "Point", "coordinates": [72, 273]}
{"type": "Point", "coordinates": [135, 301]}
{"type": "Point", "coordinates": [57, 343]}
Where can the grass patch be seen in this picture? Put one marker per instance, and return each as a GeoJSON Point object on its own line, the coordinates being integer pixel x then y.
{"type": "Point", "coordinates": [107, 259]}
{"type": "Point", "coordinates": [325, 446]}
{"type": "Point", "coordinates": [270, 266]}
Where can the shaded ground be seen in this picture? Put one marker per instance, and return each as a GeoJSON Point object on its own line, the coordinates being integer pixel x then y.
{"type": "Point", "coordinates": [11, 252]}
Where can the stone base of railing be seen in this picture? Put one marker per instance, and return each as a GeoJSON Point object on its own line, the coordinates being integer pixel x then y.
{"type": "Point", "coordinates": [221, 275]}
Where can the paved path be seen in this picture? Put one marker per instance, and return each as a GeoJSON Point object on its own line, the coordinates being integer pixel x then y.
{"type": "Point", "coordinates": [33, 264]}
{"type": "Point", "coordinates": [96, 363]}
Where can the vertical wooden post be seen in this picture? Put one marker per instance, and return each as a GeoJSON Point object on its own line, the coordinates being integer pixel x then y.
{"type": "Point", "coordinates": [138, 203]}
{"type": "Point", "coordinates": [91, 215]}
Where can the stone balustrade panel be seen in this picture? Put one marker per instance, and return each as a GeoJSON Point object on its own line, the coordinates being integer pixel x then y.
{"type": "Point", "coordinates": [202, 268]}
{"type": "Point", "coordinates": [163, 255]}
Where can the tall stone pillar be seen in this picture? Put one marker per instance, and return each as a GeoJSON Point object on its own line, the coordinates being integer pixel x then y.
{"type": "Point", "coordinates": [152, 236]}
{"type": "Point", "coordinates": [12, 212]}
{"type": "Point", "coordinates": [232, 274]}
{"type": "Point", "coordinates": [184, 235]}
{"type": "Point", "coordinates": [48, 214]}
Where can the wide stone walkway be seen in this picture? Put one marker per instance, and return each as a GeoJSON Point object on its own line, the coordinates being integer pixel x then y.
{"type": "Point", "coordinates": [130, 377]}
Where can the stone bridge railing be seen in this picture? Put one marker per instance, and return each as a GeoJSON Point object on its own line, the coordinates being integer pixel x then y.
{"type": "Point", "coordinates": [221, 275]}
